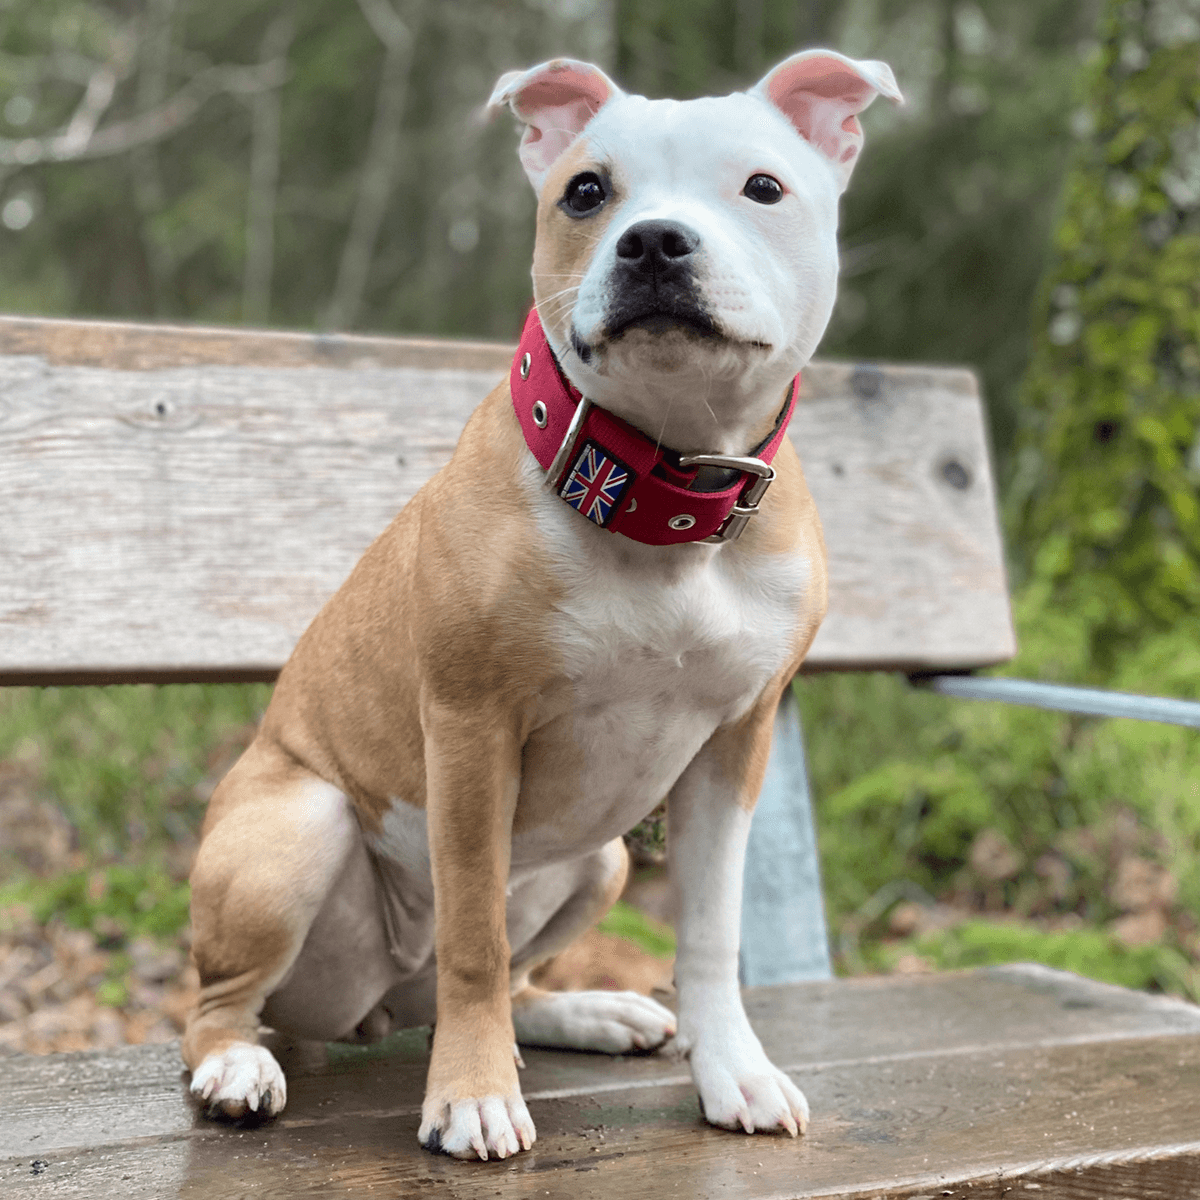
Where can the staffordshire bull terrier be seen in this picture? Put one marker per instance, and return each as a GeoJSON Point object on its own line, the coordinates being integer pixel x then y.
{"type": "Point", "coordinates": [595, 606]}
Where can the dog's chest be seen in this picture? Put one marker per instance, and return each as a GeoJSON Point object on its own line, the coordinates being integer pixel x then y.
{"type": "Point", "coordinates": [658, 646]}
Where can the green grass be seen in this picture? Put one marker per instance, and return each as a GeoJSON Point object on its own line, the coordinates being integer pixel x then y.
{"type": "Point", "coordinates": [116, 902]}
{"type": "Point", "coordinates": [1088, 951]}
{"type": "Point", "coordinates": [905, 781]}
{"type": "Point", "coordinates": [653, 936]}
{"type": "Point", "coordinates": [130, 767]}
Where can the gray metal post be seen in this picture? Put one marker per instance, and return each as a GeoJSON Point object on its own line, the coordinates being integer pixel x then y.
{"type": "Point", "coordinates": [783, 915]}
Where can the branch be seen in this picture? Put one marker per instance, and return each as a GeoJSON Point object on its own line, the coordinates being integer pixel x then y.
{"type": "Point", "coordinates": [96, 99]}
{"type": "Point", "coordinates": [149, 195]}
{"type": "Point", "coordinates": [389, 28]}
{"type": "Point", "coordinates": [265, 144]}
{"type": "Point", "coordinates": [379, 165]}
{"type": "Point", "coordinates": [147, 127]}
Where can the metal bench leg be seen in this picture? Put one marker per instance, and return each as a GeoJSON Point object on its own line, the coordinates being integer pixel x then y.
{"type": "Point", "coordinates": [783, 915]}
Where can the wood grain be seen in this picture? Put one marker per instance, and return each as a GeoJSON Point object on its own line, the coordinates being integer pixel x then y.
{"type": "Point", "coordinates": [980, 1084]}
{"type": "Point", "coordinates": [180, 502]}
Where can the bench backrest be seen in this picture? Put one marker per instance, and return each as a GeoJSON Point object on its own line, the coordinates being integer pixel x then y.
{"type": "Point", "coordinates": [177, 503]}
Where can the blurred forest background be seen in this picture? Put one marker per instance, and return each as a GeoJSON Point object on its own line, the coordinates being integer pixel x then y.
{"type": "Point", "coordinates": [1033, 212]}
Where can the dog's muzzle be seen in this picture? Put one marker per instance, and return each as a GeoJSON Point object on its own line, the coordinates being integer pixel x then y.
{"type": "Point", "coordinates": [653, 281]}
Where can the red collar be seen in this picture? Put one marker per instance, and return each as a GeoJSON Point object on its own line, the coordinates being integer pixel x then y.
{"type": "Point", "coordinates": [616, 476]}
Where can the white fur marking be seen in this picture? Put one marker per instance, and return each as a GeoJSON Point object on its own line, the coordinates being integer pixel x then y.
{"type": "Point", "coordinates": [739, 1087]}
{"type": "Point", "coordinates": [239, 1079]}
{"type": "Point", "coordinates": [660, 645]}
{"type": "Point", "coordinates": [611, 1022]}
{"type": "Point", "coordinates": [498, 1126]}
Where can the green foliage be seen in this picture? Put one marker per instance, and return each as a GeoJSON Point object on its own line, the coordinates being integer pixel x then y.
{"type": "Point", "coordinates": [1104, 507]}
{"type": "Point", "coordinates": [1090, 952]}
{"type": "Point", "coordinates": [906, 781]}
{"type": "Point", "coordinates": [946, 222]}
{"type": "Point", "coordinates": [1106, 528]}
{"type": "Point", "coordinates": [622, 920]}
{"type": "Point", "coordinates": [130, 767]}
{"type": "Point", "coordinates": [116, 903]}
{"type": "Point", "coordinates": [160, 226]}
{"type": "Point", "coordinates": [685, 48]}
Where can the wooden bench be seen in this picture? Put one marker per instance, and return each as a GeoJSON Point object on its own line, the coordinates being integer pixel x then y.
{"type": "Point", "coordinates": [180, 502]}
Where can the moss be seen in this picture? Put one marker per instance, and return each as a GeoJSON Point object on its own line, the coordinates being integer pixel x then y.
{"type": "Point", "coordinates": [1103, 507]}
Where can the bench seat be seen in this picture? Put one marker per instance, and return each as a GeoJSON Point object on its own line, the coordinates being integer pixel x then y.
{"type": "Point", "coordinates": [997, 1082]}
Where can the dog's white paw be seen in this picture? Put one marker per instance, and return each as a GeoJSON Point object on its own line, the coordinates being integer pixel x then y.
{"type": "Point", "coordinates": [611, 1022]}
{"type": "Point", "coordinates": [491, 1126]}
{"type": "Point", "coordinates": [240, 1081]}
{"type": "Point", "coordinates": [749, 1093]}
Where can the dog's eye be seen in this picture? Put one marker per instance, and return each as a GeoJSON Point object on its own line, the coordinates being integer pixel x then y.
{"type": "Point", "coordinates": [584, 195]}
{"type": "Point", "coordinates": [763, 189]}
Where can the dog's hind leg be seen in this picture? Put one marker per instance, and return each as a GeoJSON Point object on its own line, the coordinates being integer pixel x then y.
{"type": "Point", "coordinates": [276, 842]}
{"type": "Point", "coordinates": [609, 1021]}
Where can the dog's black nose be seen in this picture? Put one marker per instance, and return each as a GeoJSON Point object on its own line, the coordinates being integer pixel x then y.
{"type": "Point", "coordinates": [651, 245]}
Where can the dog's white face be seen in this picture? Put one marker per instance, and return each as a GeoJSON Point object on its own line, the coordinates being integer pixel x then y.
{"type": "Point", "coordinates": [735, 219]}
{"type": "Point", "coordinates": [686, 260]}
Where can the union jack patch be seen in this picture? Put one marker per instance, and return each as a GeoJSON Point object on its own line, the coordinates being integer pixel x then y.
{"type": "Point", "coordinates": [596, 483]}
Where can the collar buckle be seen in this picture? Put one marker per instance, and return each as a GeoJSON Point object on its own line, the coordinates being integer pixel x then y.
{"type": "Point", "coordinates": [747, 505]}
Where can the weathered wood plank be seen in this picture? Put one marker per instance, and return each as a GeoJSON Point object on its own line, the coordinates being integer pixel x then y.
{"type": "Point", "coordinates": [974, 1084]}
{"type": "Point", "coordinates": [129, 346]}
{"type": "Point", "coordinates": [898, 463]}
{"type": "Point", "coordinates": [180, 502]}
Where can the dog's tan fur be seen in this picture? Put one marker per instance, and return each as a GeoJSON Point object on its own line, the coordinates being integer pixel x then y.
{"type": "Point", "coordinates": [457, 659]}
{"type": "Point", "coordinates": [431, 807]}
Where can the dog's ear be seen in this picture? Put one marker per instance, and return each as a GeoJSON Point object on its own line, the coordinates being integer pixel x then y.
{"type": "Point", "coordinates": [555, 101]}
{"type": "Point", "coordinates": [821, 93]}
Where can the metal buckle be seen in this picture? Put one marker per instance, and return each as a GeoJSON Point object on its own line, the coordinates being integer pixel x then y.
{"type": "Point", "coordinates": [555, 469]}
{"type": "Point", "coordinates": [748, 501]}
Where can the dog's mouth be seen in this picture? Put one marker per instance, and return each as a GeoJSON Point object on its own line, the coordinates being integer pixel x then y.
{"type": "Point", "coordinates": [659, 316]}
{"type": "Point", "coordinates": [660, 320]}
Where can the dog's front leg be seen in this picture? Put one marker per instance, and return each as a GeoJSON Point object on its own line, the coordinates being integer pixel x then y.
{"type": "Point", "coordinates": [473, 1105]}
{"type": "Point", "coordinates": [708, 814]}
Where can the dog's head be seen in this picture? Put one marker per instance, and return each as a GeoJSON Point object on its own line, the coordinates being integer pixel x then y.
{"type": "Point", "coordinates": [693, 242]}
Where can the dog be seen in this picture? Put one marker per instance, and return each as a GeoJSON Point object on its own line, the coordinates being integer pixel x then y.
{"type": "Point", "coordinates": [595, 606]}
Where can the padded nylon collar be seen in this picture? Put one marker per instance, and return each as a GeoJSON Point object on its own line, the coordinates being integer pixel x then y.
{"type": "Point", "coordinates": [614, 474]}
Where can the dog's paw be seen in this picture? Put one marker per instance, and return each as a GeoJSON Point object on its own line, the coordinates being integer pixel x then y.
{"type": "Point", "coordinates": [749, 1094]}
{"type": "Point", "coordinates": [240, 1083]}
{"type": "Point", "coordinates": [611, 1022]}
{"type": "Point", "coordinates": [488, 1127]}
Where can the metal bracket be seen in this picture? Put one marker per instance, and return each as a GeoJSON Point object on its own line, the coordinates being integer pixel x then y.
{"type": "Point", "coordinates": [1093, 702]}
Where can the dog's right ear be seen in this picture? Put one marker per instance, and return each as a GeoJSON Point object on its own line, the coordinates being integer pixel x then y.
{"type": "Point", "coordinates": [555, 101]}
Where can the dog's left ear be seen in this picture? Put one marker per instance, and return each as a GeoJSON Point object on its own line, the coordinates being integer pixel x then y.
{"type": "Point", "coordinates": [555, 101]}
{"type": "Point", "coordinates": [821, 93]}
